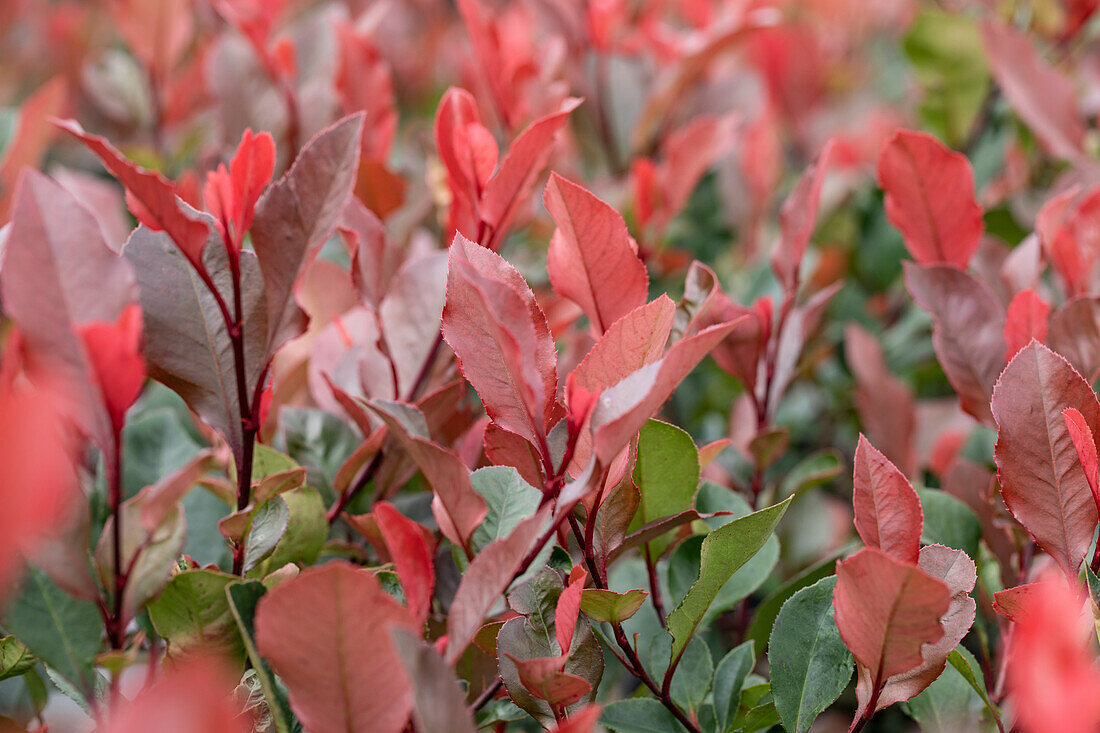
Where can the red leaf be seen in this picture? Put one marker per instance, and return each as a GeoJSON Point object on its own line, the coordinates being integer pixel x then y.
{"type": "Point", "coordinates": [501, 340]}
{"type": "Point", "coordinates": [1015, 603]}
{"type": "Point", "coordinates": [1039, 472]}
{"type": "Point", "coordinates": [439, 700]}
{"type": "Point", "coordinates": [1085, 446]}
{"type": "Point", "coordinates": [1026, 320]}
{"type": "Point", "coordinates": [623, 409]}
{"type": "Point", "coordinates": [569, 606]}
{"type": "Point", "coordinates": [326, 633]}
{"type": "Point", "coordinates": [196, 695]}
{"type": "Point", "coordinates": [1051, 673]}
{"type": "Point", "coordinates": [411, 555]}
{"type": "Point", "coordinates": [489, 575]}
{"type": "Point", "coordinates": [1067, 226]}
{"type": "Point", "coordinates": [886, 610]}
{"type": "Point", "coordinates": [631, 343]}
{"type": "Point", "coordinates": [592, 259]}
{"type": "Point", "coordinates": [364, 82]}
{"type": "Point", "coordinates": [468, 152]}
{"type": "Point", "coordinates": [158, 32]}
{"type": "Point", "coordinates": [1075, 334]}
{"type": "Point", "coordinates": [887, 409]}
{"type": "Point", "coordinates": [888, 514]}
{"type": "Point", "coordinates": [545, 680]}
{"type": "Point", "coordinates": [798, 218]}
{"type": "Point", "coordinates": [26, 146]}
{"type": "Point", "coordinates": [956, 569]}
{"type": "Point", "coordinates": [582, 721]}
{"type": "Point", "coordinates": [115, 352]}
{"type": "Point", "coordinates": [967, 333]}
{"type": "Point", "coordinates": [930, 198]}
{"type": "Point", "coordinates": [231, 195]}
{"type": "Point", "coordinates": [157, 205]}
{"type": "Point", "coordinates": [1039, 94]}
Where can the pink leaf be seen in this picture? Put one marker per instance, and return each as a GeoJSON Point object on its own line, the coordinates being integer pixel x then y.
{"type": "Point", "coordinates": [1085, 445]}
{"type": "Point", "coordinates": [1026, 320]}
{"type": "Point", "coordinates": [888, 513]}
{"type": "Point", "coordinates": [930, 198]}
{"type": "Point", "coordinates": [569, 606]}
{"type": "Point", "coordinates": [1039, 94]}
{"type": "Point", "coordinates": [411, 555]}
{"type": "Point", "coordinates": [798, 218]}
{"type": "Point", "coordinates": [887, 408]}
{"type": "Point", "coordinates": [326, 633]}
{"type": "Point", "coordinates": [1039, 472]}
{"type": "Point", "coordinates": [592, 259]}
{"type": "Point", "coordinates": [632, 342]}
{"type": "Point", "coordinates": [114, 350]}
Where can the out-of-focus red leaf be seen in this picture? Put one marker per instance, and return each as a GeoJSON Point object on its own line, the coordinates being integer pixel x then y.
{"type": "Point", "coordinates": [59, 275]}
{"type": "Point", "coordinates": [31, 135]}
{"type": "Point", "coordinates": [886, 611]}
{"type": "Point", "coordinates": [1085, 445]}
{"type": "Point", "coordinates": [957, 570]}
{"type": "Point", "coordinates": [114, 350]}
{"type": "Point", "coordinates": [231, 195]}
{"type": "Point", "coordinates": [412, 557]}
{"type": "Point", "coordinates": [1039, 472]}
{"type": "Point", "coordinates": [930, 198]}
{"type": "Point", "coordinates": [151, 198]}
{"type": "Point", "coordinates": [1075, 334]}
{"type": "Point", "coordinates": [326, 633]}
{"type": "Point", "coordinates": [1038, 93]}
{"type": "Point", "coordinates": [1051, 673]}
{"type": "Point", "coordinates": [501, 340]}
{"type": "Point", "coordinates": [364, 82]}
{"type": "Point", "coordinates": [196, 695]}
{"type": "Point", "coordinates": [888, 514]}
{"type": "Point", "coordinates": [582, 721]}
{"type": "Point", "coordinates": [592, 259]}
{"type": "Point", "coordinates": [156, 31]}
{"type": "Point", "coordinates": [968, 331]}
{"type": "Point", "coordinates": [297, 214]}
{"type": "Point", "coordinates": [1026, 320]}
{"type": "Point", "coordinates": [887, 408]}
{"type": "Point", "coordinates": [1067, 226]}
{"type": "Point", "coordinates": [798, 218]}
{"type": "Point", "coordinates": [489, 575]}
{"type": "Point", "coordinates": [439, 704]}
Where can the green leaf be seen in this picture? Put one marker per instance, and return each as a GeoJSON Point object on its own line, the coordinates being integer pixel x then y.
{"type": "Point", "coordinates": [761, 627]}
{"type": "Point", "coordinates": [15, 658]}
{"type": "Point", "coordinates": [264, 532]}
{"type": "Point", "coordinates": [761, 717]}
{"type": "Point", "coordinates": [306, 532]}
{"type": "Point", "coordinates": [154, 444]}
{"type": "Point", "coordinates": [606, 605]}
{"type": "Point", "coordinates": [965, 666]}
{"type": "Point", "coordinates": [65, 633]}
{"type": "Point", "coordinates": [692, 678]}
{"type": "Point", "coordinates": [947, 521]}
{"type": "Point", "coordinates": [724, 551]}
{"type": "Point", "coordinates": [729, 677]}
{"type": "Point", "coordinates": [639, 715]}
{"type": "Point", "coordinates": [319, 441]}
{"type": "Point", "coordinates": [813, 470]}
{"type": "Point", "coordinates": [242, 598]}
{"type": "Point", "coordinates": [666, 474]}
{"type": "Point", "coordinates": [810, 665]}
{"type": "Point", "coordinates": [193, 613]}
{"type": "Point", "coordinates": [950, 703]}
{"type": "Point", "coordinates": [510, 500]}
{"type": "Point", "coordinates": [268, 461]}
{"type": "Point", "coordinates": [948, 59]}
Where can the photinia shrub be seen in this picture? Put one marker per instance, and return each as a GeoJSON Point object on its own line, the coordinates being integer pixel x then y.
{"type": "Point", "coordinates": [513, 365]}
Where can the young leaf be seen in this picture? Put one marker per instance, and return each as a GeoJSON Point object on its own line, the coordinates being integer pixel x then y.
{"type": "Point", "coordinates": [114, 350]}
{"type": "Point", "coordinates": [1085, 445]}
{"type": "Point", "coordinates": [151, 198]}
{"type": "Point", "coordinates": [930, 198]}
{"type": "Point", "coordinates": [632, 342]}
{"type": "Point", "coordinates": [501, 340]}
{"type": "Point", "coordinates": [1039, 472]}
{"type": "Point", "coordinates": [798, 219]}
{"type": "Point", "coordinates": [605, 605]}
{"type": "Point", "coordinates": [231, 195]}
{"type": "Point", "coordinates": [968, 331]}
{"type": "Point", "coordinates": [887, 408]}
{"type": "Point", "coordinates": [1026, 320]}
{"type": "Point", "coordinates": [724, 551]}
{"type": "Point", "coordinates": [411, 555]}
{"type": "Point", "coordinates": [810, 666]}
{"type": "Point", "coordinates": [886, 610]}
{"type": "Point", "coordinates": [297, 214]}
{"type": "Point", "coordinates": [326, 633]}
{"type": "Point", "coordinates": [592, 259]}
{"type": "Point", "coordinates": [887, 510]}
